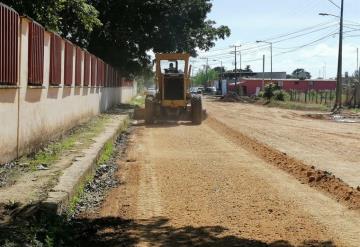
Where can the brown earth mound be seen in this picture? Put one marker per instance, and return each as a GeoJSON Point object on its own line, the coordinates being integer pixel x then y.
{"type": "Point", "coordinates": [306, 174]}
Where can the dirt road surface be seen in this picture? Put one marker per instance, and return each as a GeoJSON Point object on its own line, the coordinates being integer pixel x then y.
{"type": "Point", "coordinates": [329, 146]}
{"type": "Point", "coordinates": [187, 185]}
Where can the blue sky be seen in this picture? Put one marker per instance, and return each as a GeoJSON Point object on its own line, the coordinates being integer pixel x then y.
{"type": "Point", "coordinates": [263, 19]}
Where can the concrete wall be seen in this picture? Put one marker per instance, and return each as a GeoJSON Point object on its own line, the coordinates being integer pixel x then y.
{"type": "Point", "coordinates": [31, 116]}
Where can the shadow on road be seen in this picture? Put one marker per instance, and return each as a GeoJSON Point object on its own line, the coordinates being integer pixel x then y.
{"type": "Point", "coordinates": [40, 228]}
{"type": "Point", "coordinates": [157, 231]}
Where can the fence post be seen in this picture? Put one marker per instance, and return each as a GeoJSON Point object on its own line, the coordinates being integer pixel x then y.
{"type": "Point", "coordinates": [326, 96]}
{"type": "Point", "coordinates": [321, 97]}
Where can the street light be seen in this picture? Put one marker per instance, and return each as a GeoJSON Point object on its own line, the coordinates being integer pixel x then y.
{"type": "Point", "coordinates": [271, 46]}
{"type": "Point", "coordinates": [338, 101]}
{"type": "Point", "coordinates": [326, 14]}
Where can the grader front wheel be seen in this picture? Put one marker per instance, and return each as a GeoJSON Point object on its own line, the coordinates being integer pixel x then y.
{"type": "Point", "coordinates": [196, 109]}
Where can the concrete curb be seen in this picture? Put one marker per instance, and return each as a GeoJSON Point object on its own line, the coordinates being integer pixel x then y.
{"type": "Point", "coordinates": [82, 168]}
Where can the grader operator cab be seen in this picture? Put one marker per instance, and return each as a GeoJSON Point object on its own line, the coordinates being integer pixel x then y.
{"type": "Point", "coordinates": [173, 99]}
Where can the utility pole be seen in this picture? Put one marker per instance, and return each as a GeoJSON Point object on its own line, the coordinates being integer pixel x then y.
{"type": "Point", "coordinates": [235, 53]}
{"type": "Point", "coordinates": [338, 103]}
{"type": "Point", "coordinates": [271, 55]}
{"type": "Point", "coordinates": [240, 59]}
{"type": "Point", "coordinates": [357, 84]}
{"type": "Point", "coordinates": [235, 59]}
{"type": "Point", "coordinates": [263, 81]}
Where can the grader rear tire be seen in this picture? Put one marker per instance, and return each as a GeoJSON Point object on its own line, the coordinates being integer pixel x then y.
{"type": "Point", "coordinates": [196, 109]}
{"type": "Point", "coordinates": [149, 110]}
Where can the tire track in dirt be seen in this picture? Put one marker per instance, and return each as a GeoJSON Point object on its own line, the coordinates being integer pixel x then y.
{"type": "Point", "coordinates": [183, 185]}
{"type": "Point", "coordinates": [321, 180]}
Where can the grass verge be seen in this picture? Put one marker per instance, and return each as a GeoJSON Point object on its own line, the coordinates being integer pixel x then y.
{"type": "Point", "coordinates": [297, 106]}
{"type": "Point", "coordinates": [106, 154]}
{"type": "Point", "coordinates": [80, 137]}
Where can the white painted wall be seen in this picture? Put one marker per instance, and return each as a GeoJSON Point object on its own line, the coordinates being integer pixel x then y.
{"type": "Point", "coordinates": [46, 112]}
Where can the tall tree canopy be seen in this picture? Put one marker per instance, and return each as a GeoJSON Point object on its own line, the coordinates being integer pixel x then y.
{"type": "Point", "coordinates": [301, 74]}
{"type": "Point", "coordinates": [122, 31]}
{"type": "Point", "coordinates": [131, 28]}
{"type": "Point", "coordinates": [72, 19]}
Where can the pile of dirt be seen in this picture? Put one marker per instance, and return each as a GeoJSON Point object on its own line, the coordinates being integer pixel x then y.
{"type": "Point", "coordinates": [234, 97]}
{"type": "Point", "coordinates": [322, 180]}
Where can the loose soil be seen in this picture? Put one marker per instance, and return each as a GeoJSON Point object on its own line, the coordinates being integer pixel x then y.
{"type": "Point", "coordinates": [228, 182]}
{"type": "Point", "coordinates": [327, 145]}
{"type": "Point", "coordinates": [187, 185]}
{"type": "Point", "coordinates": [306, 174]}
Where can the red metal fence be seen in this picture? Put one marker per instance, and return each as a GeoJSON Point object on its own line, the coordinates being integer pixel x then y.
{"type": "Point", "coordinates": [78, 69]}
{"type": "Point", "coordinates": [93, 71]}
{"type": "Point", "coordinates": [100, 73]}
{"type": "Point", "coordinates": [55, 60]}
{"type": "Point", "coordinates": [68, 72]}
{"type": "Point", "coordinates": [87, 68]}
{"type": "Point", "coordinates": [36, 54]}
{"type": "Point", "coordinates": [87, 61]}
{"type": "Point", "coordinates": [9, 33]}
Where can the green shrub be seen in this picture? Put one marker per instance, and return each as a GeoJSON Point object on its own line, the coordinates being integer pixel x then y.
{"type": "Point", "coordinates": [281, 95]}
{"type": "Point", "coordinates": [269, 90]}
{"type": "Point", "coordinates": [261, 94]}
{"type": "Point", "coordinates": [273, 91]}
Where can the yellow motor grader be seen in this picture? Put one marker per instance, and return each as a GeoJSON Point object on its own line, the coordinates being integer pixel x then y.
{"type": "Point", "coordinates": [172, 99]}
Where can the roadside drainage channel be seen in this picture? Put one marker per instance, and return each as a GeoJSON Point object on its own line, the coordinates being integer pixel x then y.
{"type": "Point", "coordinates": [105, 178]}
{"type": "Point", "coordinates": [82, 170]}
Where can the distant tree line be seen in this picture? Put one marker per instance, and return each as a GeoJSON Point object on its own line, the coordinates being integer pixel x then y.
{"type": "Point", "coordinates": [205, 75]}
{"type": "Point", "coordinates": [301, 74]}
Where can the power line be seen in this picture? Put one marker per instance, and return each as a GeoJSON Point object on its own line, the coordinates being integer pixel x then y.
{"type": "Point", "coordinates": [334, 4]}
{"type": "Point", "coordinates": [254, 47]}
{"type": "Point", "coordinates": [297, 48]}
{"type": "Point", "coordinates": [275, 37]}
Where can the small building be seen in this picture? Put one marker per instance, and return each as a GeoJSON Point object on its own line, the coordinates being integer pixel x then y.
{"type": "Point", "coordinates": [252, 86]}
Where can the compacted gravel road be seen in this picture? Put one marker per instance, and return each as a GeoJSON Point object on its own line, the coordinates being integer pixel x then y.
{"type": "Point", "coordinates": [184, 185]}
{"type": "Point", "coordinates": [328, 145]}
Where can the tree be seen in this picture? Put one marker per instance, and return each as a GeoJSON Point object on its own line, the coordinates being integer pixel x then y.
{"type": "Point", "coordinates": [219, 69]}
{"type": "Point", "coordinates": [301, 74]}
{"type": "Point", "coordinates": [247, 69]}
{"type": "Point", "coordinates": [122, 32]}
{"type": "Point", "coordinates": [131, 28]}
{"type": "Point", "coordinates": [202, 77]}
{"type": "Point", "coordinates": [72, 19]}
